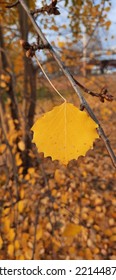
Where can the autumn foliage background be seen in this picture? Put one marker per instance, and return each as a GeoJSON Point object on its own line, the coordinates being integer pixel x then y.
{"type": "Point", "coordinates": [48, 210]}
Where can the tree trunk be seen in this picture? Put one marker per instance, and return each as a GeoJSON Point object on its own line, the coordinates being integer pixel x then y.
{"type": "Point", "coordinates": [11, 89]}
{"type": "Point", "coordinates": [29, 96]}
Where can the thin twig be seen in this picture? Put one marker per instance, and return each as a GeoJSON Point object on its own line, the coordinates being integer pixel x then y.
{"type": "Point", "coordinates": [54, 54]}
{"type": "Point", "coordinates": [103, 95]}
{"type": "Point", "coordinates": [13, 4]}
{"type": "Point", "coordinates": [49, 79]}
{"type": "Point", "coordinates": [30, 52]}
{"type": "Point", "coordinates": [83, 102]}
{"type": "Point", "coordinates": [50, 9]}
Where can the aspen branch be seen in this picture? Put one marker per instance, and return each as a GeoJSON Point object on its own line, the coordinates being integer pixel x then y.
{"type": "Point", "coordinates": [83, 102]}
{"type": "Point", "coordinates": [103, 95]}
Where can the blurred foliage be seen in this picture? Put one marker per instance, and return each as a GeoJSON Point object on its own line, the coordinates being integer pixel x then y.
{"type": "Point", "coordinates": [83, 16]}
{"type": "Point", "coordinates": [88, 14]}
{"type": "Point", "coordinates": [62, 212]}
{"type": "Point", "coordinates": [43, 92]}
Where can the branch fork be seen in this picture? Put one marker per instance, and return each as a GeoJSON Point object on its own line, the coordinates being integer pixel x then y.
{"type": "Point", "coordinates": [32, 48]}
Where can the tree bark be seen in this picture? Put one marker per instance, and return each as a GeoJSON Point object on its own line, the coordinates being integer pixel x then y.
{"type": "Point", "coordinates": [11, 88]}
{"type": "Point", "coordinates": [29, 95]}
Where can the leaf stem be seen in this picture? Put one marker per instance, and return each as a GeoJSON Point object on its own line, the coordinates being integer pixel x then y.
{"type": "Point", "coordinates": [49, 79]}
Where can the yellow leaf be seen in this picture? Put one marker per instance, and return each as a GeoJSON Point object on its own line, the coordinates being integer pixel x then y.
{"type": "Point", "coordinates": [6, 210]}
{"type": "Point", "coordinates": [11, 234]}
{"type": "Point", "coordinates": [11, 250]}
{"type": "Point", "coordinates": [71, 230]}
{"type": "Point", "coordinates": [21, 206]}
{"type": "Point", "coordinates": [6, 224]}
{"type": "Point", "coordinates": [54, 27]}
{"type": "Point", "coordinates": [55, 206]}
{"type": "Point", "coordinates": [31, 170]}
{"type": "Point", "coordinates": [65, 133]}
{"type": "Point", "coordinates": [20, 171]}
{"type": "Point", "coordinates": [21, 145]}
{"type": "Point", "coordinates": [2, 148]}
{"type": "Point", "coordinates": [22, 193]}
{"type": "Point", "coordinates": [1, 242]}
{"type": "Point", "coordinates": [39, 233]}
{"type": "Point", "coordinates": [113, 238]}
{"type": "Point", "coordinates": [107, 24]}
{"type": "Point", "coordinates": [64, 198]}
{"type": "Point", "coordinates": [54, 192]}
{"type": "Point", "coordinates": [25, 237]}
{"type": "Point", "coordinates": [61, 44]}
{"type": "Point", "coordinates": [16, 244]}
{"type": "Point", "coordinates": [18, 159]}
{"type": "Point", "coordinates": [107, 9]}
{"type": "Point", "coordinates": [27, 177]}
{"type": "Point", "coordinates": [4, 79]}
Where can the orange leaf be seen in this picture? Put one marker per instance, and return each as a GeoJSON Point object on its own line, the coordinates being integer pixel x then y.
{"type": "Point", "coordinates": [6, 224]}
{"type": "Point", "coordinates": [1, 242]}
{"type": "Point", "coordinates": [71, 230]}
{"type": "Point", "coordinates": [107, 24]}
{"type": "Point", "coordinates": [31, 170]}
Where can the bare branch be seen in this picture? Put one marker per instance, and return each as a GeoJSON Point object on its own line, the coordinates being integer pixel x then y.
{"type": "Point", "coordinates": [13, 4]}
{"type": "Point", "coordinates": [50, 9]}
{"type": "Point", "coordinates": [83, 102]}
{"type": "Point", "coordinates": [103, 95]}
{"type": "Point", "coordinates": [31, 48]}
